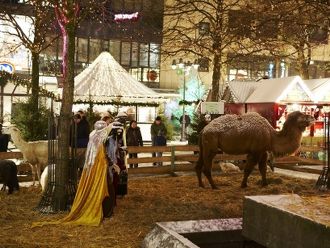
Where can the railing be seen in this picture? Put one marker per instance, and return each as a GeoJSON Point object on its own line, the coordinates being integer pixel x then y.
{"type": "Point", "coordinates": [11, 155]}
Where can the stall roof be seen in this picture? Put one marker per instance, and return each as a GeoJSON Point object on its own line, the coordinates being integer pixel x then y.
{"type": "Point", "coordinates": [281, 89]}
{"type": "Point", "coordinates": [320, 89]}
{"type": "Point", "coordinates": [241, 90]}
{"type": "Point", "coordinates": [106, 81]}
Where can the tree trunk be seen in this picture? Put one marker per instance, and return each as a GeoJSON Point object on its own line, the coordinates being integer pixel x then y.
{"type": "Point", "coordinates": [62, 167]}
{"type": "Point", "coordinates": [35, 94]}
{"type": "Point", "coordinates": [303, 62]}
{"type": "Point", "coordinates": [216, 78]}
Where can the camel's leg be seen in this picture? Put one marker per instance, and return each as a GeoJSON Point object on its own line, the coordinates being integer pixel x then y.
{"type": "Point", "coordinates": [198, 168]}
{"type": "Point", "coordinates": [33, 174]}
{"type": "Point", "coordinates": [251, 161]}
{"type": "Point", "coordinates": [207, 169]}
{"type": "Point", "coordinates": [38, 172]}
{"type": "Point", "coordinates": [263, 168]}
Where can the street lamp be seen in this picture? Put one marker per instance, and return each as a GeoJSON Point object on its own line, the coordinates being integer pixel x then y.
{"type": "Point", "coordinates": [185, 67]}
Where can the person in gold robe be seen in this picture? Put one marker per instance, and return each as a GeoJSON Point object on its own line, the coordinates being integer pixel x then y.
{"type": "Point", "coordinates": [93, 187]}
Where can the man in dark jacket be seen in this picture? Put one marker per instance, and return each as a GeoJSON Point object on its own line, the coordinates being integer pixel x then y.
{"type": "Point", "coordinates": [133, 138]}
{"type": "Point", "coordinates": [158, 136]}
{"type": "Point", "coordinates": [4, 140]}
{"type": "Point", "coordinates": [82, 131]}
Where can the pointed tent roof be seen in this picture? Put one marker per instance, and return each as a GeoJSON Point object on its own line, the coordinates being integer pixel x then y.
{"type": "Point", "coordinates": [106, 81]}
{"type": "Point", "coordinates": [281, 89]}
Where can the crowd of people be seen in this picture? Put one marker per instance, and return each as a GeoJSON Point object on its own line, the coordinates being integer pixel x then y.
{"type": "Point", "coordinates": [104, 173]}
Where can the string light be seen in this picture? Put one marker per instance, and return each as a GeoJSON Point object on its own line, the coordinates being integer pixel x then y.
{"type": "Point", "coordinates": [5, 77]}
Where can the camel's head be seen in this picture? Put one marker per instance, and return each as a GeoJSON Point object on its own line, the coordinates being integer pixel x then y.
{"type": "Point", "coordinates": [10, 129]}
{"type": "Point", "coordinates": [299, 120]}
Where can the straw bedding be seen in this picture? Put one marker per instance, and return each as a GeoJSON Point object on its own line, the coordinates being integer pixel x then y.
{"type": "Point", "coordinates": [150, 199]}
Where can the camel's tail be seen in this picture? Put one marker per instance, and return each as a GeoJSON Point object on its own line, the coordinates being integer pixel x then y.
{"type": "Point", "coordinates": [200, 154]}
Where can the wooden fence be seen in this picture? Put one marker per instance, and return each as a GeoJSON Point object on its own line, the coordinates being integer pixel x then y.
{"type": "Point", "coordinates": [183, 158]}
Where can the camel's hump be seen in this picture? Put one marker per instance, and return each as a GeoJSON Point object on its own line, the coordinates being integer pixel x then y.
{"type": "Point", "coordinates": [242, 123]}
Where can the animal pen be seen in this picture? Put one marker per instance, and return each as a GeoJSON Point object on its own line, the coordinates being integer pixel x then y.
{"type": "Point", "coordinates": [46, 204]}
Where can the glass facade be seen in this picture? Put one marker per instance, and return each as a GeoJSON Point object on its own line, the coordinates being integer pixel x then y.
{"type": "Point", "coordinates": [142, 60]}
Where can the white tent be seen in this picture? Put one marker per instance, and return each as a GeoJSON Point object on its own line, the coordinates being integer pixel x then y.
{"type": "Point", "coordinates": [105, 81]}
{"type": "Point", "coordinates": [281, 90]}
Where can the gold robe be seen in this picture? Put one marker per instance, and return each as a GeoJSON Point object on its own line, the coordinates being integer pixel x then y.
{"type": "Point", "coordinates": [92, 188]}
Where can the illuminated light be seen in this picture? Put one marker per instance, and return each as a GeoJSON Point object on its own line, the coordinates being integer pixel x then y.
{"type": "Point", "coordinates": [124, 17]}
{"type": "Point", "coordinates": [296, 80]}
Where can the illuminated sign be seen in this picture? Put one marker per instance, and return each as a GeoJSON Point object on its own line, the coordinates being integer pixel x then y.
{"type": "Point", "coordinates": [213, 108]}
{"type": "Point", "coordinates": [8, 67]}
{"type": "Point", "coordinates": [126, 17]}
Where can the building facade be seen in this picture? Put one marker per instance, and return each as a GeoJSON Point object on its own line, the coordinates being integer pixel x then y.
{"type": "Point", "coordinates": [131, 30]}
{"type": "Point", "coordinates": [190, 34]}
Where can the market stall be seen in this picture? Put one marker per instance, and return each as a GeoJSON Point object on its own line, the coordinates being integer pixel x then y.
{"type": "Point", "coordinates": [272, 98]}
{"type": "Point", "coordinates": [320, 89]}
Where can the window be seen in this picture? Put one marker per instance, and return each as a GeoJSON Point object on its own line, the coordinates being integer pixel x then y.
{"type": "Point", "coordinates": [48, 64]}
{"type": "Point", "coordinates": [144, 54]}
{"type": "Point", "coordinates": [105, 45]}
{"type": "Point", "coordinates": [125, 53]}
{"type": "Point", "coordinates": [136, 73]}
{"type": "Point", "coordinates": [115, 49]}
{"type": "Point", "coordinates": [135, 54]}
{"type": "Point", "coordinates": [82, 51]}
{"type": "Point", "coordinates": [154, 55]}
{"type": "Point", "coordinates": [95, 48]}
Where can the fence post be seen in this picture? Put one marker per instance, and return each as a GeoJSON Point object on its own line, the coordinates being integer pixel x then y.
{"type": "Point", "coordinates": [172, 159]}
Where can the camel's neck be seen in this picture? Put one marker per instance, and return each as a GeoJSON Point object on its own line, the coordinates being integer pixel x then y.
{"type": "Point", "coordinates": [18, 140]}
{"type": "Point", "coordinates": [286, 141]}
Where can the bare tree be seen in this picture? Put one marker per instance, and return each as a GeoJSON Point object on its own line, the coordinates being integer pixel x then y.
{"type": "Point", "coordinates": [298, 26]}
{"type": "Point", "coordinates": [69, 13]}
{"type": "Point", "coordinates": [211, 29]}
{"type": "Point", "coordinates": [41, 18]}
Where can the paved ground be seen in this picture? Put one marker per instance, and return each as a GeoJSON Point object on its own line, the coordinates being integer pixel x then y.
{"type": "Point", "coordinates": [297, 174]}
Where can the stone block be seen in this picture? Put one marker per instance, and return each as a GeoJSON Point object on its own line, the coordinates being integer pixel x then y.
{"type": "Point", "coordinates": [278, 221]}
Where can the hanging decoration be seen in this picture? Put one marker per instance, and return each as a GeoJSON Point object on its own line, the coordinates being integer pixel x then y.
{"type": "Point", "coordinates": [5, 77]}
{"type": "Point", "coordinates": [120, 103]}
{"type": "Point", "coordinates": [152, 75]}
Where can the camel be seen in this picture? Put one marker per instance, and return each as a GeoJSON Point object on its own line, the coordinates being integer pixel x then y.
{"type": "Point", "coordinates": [249, 134]}
{"type": "Point", "coordinates": [34, 152]}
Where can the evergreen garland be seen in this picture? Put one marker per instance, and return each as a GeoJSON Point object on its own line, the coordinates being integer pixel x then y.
{"type": "Point", "coordinates": [5, 77]}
